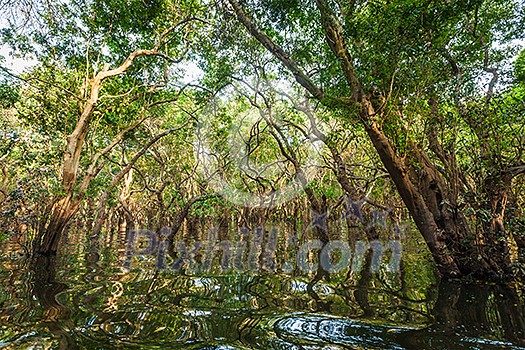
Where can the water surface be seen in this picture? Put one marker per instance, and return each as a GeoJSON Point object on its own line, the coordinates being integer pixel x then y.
{"type": "Point", "coordinates": [88, 298]}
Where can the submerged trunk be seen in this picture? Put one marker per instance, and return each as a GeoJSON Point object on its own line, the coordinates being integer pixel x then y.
{"type": "Point", "coordinates": [49, 236]}
{"type": "Point", "coordinates": [67, 205]}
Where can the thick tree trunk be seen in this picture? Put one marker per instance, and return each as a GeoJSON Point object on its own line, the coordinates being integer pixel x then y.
{"type": "Point", "coordinates": [68, 205]}
{"type": "Point", "coordinates": [415, 203]}
{"type": "Point", "coordinates": [61, 213]}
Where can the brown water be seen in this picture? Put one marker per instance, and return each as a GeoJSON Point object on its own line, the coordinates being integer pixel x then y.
{"type": "Point", "coordinates": [100, 295]}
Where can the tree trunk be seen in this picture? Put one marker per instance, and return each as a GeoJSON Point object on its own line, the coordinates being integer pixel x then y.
{"type": "Point", "coordinates": [68, 205]}
{"type": "Point", "coordinates": [61, 212]}
{"type": "Point", "coordinates": [415, 203]}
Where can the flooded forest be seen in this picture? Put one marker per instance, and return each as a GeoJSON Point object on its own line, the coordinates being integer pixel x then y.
{"type": "Point", "coordinates": [262, 174]}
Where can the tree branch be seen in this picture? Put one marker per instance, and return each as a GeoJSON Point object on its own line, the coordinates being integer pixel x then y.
{"type": "Point", "coordinates": [277, 51]}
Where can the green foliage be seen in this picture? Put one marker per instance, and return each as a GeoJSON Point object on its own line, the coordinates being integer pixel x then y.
{"type": "Point", "coordinates": [519, 68]}
{"type": "Point", "coordinates": [8, 95]}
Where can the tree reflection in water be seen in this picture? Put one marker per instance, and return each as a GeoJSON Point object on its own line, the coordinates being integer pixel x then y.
{"type": "Point", "coordinates": [83, 300]}
{"type": "Point", "coordinates": [56, 317]}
